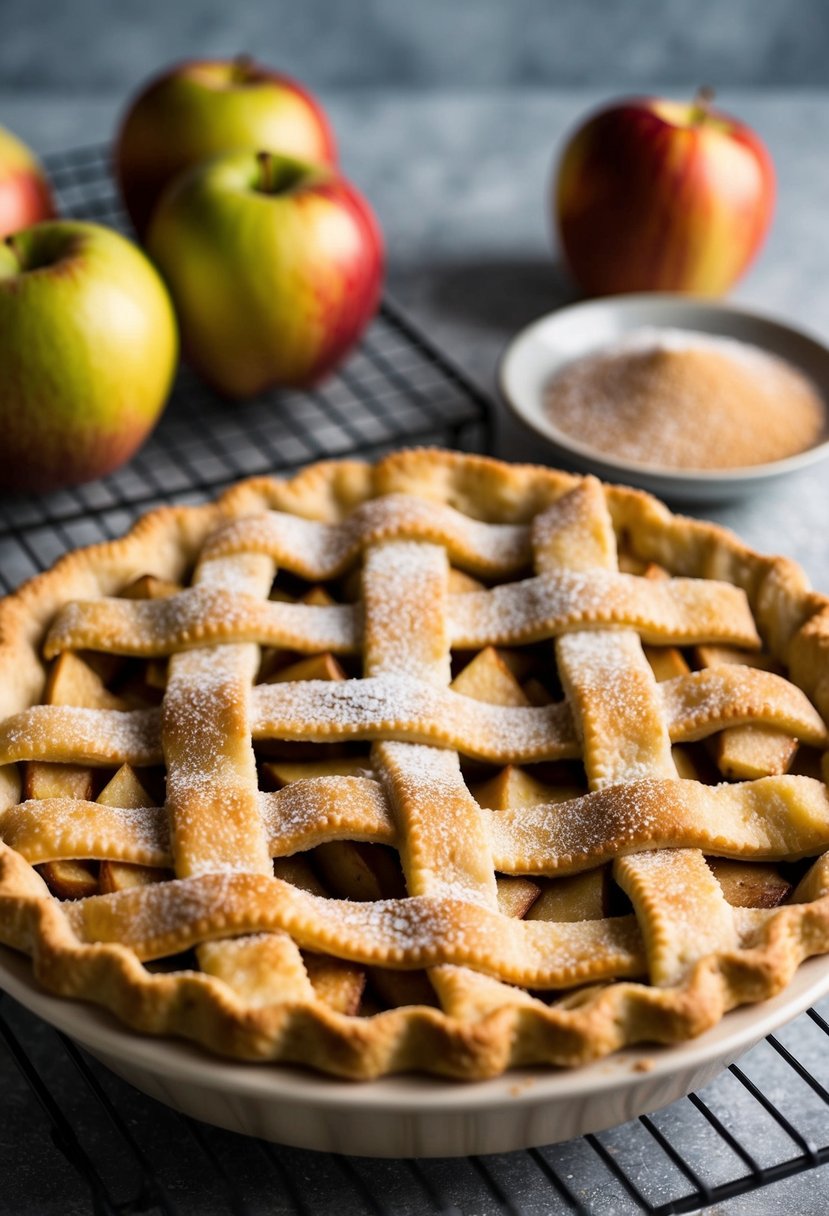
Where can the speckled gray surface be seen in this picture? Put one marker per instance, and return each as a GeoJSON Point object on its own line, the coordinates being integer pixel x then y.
{"type": "Point", "coordinates": [459, 181]}
{"type": "Point", "coordinates": [94, 44]}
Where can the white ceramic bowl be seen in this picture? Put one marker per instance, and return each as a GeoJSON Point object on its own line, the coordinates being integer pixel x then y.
{"type": "Point", "coordinates": [412, 1116]}
{"type": "Point", "coordinates": [544, 347]}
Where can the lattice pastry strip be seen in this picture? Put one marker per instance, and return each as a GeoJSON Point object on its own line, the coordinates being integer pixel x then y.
{"type": "Point", "coordinates": [677, 612]}
{"type": "Point", "coordinates": [685, 915]}
{"type": "Point", "coordinates": [410, 709]}
{"type": "Point", "coordinates": [785, 818]}
{"type": "Point", "coordinates": [743, 752]}
{"type": "Point", "coordinates": [407, 519]}
{"type": "Point", "coordinates": [443, 843]}
{"type": "Point", "coordinates": [212, 786]}
{"type": "Point", "coordinates": [618, 708]}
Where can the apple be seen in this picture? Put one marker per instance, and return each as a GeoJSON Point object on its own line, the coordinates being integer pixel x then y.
{"type": "Point", "coordinates": [88, 347]}
{"type": "Point", "coordinates": [657, 195]}
{"type": "Point", "coordinates": [274, 266]}
{"type": "Point", "coordinates": [25, 197]}
{"type": "Point", "coordinates": [196, 110]}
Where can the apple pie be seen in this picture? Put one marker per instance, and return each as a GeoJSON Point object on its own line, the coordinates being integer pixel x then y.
{"type": "Point", "coordinates": [437, 764]}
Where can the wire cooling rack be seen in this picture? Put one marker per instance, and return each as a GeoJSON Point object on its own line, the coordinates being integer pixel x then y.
{"type": "Point", "coordinates": [75, 1139]}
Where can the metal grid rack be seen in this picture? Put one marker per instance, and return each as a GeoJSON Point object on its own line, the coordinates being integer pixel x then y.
{"type": "Point", "coordinates": [85, 1141]}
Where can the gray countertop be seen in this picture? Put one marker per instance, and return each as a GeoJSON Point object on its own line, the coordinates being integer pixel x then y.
{"type": "Point", "coordinates": [460, 182]}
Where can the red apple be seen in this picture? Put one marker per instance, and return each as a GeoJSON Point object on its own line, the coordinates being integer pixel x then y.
{"type": "Point", "coordinates": [88, 348]}
{"type": "Point", "coordinates": [656, 195]}
{"type": "Point", "coordinates": [274, 266]}
{"type": "Point", "coordinates": [25, 197]}
{"type": "Point", "coordinates": [196, 110]}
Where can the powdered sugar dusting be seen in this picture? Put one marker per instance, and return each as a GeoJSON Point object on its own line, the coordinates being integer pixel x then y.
{"type": "Point", "coordinates": [415, 932]}
{"type": "Point", "coordinates": [677, 611]}
{"type": "Point", "coordinates": [616, 698]}
{"type": "Point", "coordinates": [447, 850]}
{"type": "Point", "coordinates": [684, 906]}
{"type": "Point", "coordinates": [54, 828]}
{"type": "Point", "coordinates": [781, 817]}
{"type": "Point", "coordinates": [404, 605]}
{"type": "Point", "coordinates": [82, 736]}
{"type": "Point", "coordinates": [308, 812]}
{"type": "Point", "coordinates": [212, 793]}
{"type": "Point", "coordinates": [403, 707]}
{"type": "Point", "coordinates": [730, 694]}
{"type": "Point", "coordinates": [322, 551]}
{"type": "Point", "coordinates": [200, 615]}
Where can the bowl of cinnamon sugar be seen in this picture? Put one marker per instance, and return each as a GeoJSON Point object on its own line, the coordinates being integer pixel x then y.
{"type": "Point", "coordinates": [694, 401]}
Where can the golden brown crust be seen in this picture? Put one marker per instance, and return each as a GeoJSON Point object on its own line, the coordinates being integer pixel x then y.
{"type": "Point", "coordinates": [485, 1031]}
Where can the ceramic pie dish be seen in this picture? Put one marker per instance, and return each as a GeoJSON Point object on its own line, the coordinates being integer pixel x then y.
{"type": "Point", "coordinates": [437, 766]}
{"type": "Point", "coordinates": [547, 345]}
{"type": "Point", "coordinates": [413, 1116]}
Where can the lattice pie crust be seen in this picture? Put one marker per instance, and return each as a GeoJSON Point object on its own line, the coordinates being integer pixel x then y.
{"type": "Point", "coordinates": [416, 766]}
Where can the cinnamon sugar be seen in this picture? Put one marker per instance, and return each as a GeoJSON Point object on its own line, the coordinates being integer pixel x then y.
{"type": "Point", "coordinates": [687, 400]}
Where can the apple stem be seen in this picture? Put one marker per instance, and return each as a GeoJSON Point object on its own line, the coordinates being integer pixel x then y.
{"type": "Point", "coordinates": [702, 105]}
{"type": "Point", "coordinates": [13, 246]}
{"type": "Point", "coordinates": [242, 65]}
{"type": "Point", "coordinates": [266, 171]}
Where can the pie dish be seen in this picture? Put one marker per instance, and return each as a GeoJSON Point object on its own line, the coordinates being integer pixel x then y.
{"type": "Point", "coordinates": [438, 764]}
{"type": "Point", "coordinates": [413, 1115]}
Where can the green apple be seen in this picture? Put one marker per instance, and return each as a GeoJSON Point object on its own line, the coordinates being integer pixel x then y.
{"type": "Point", "coordinates": [195, 110]}
{"type": "Point", "coordinates": [274, 266]}
{"type": "Point", "coordinates": [88, 348]}
{"type": "Point", "coordinates": [25, 197]}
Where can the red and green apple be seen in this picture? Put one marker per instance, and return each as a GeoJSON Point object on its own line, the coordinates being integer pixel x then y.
{"type": "Point", "coordinates": [88, 349]}
{"type": "Point", "coordinates": [25, 196]}
{"type": "Point", "coordinates": [658, 195]}
{"type": "Point", "coordinates": [274, 265]}
{"type": "Point", "coordinates": [196, 110]}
